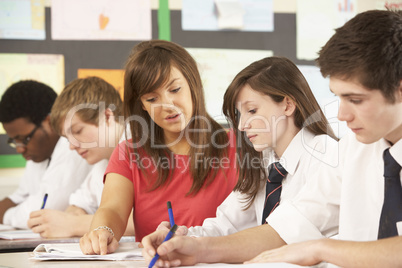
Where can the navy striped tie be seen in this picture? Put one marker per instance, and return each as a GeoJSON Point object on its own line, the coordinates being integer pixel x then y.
{"type": "Point", "coordinates": [273, 189]}
{"type": "Point", "coordinates": [392, 208]}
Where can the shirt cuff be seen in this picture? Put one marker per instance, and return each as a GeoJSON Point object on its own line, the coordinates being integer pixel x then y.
{"type": "Point", "coordinates": [291, 225]}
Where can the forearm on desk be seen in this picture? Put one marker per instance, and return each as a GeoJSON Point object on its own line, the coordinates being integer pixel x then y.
{"type": "Point", "coordinates": [76, 210]}
{"type": "Point", "coordinates": [239, 247]}
{"type": "Point", "coordinates": [380, 253]}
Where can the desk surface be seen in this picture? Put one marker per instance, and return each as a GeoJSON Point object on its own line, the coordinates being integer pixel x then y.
{"type": "Point", "coordinates": [22, 259]}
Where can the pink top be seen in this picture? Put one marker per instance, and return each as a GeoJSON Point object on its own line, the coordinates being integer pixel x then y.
{"type": "Point", "coordinates": [150, 208]}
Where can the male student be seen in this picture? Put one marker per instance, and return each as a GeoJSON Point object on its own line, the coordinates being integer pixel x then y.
{"type": "Point", "coordinates": [361, 197]}
{"type": "Point", "coordinates": [51, 167]}
{"type": "Point", "coordinates": [87, 112]}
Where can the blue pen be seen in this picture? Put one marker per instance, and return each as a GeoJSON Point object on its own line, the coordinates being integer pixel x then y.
{"type": "Point", "coordinates": [170, 211]}
{"type": "Point", "coordinates": [44, 202]}
{"type": "Point", "coordinates": [169, 235]}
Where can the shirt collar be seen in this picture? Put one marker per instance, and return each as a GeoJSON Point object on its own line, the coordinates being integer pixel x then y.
{"type": "Point", "coordinates": [396, 151]}
{"type": "Point", "coordinates": [291, 157]}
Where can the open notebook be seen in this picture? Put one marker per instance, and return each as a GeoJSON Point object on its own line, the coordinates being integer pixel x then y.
{"type": "Point", "coordinates": [72, 251]}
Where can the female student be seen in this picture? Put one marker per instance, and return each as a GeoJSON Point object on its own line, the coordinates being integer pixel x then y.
{"type": "Point", "coordinates": [86, 112]}
{"type": "Point", "coordinates": [279, 121]}
{"type": "Point", "coordinates": [178, 153]}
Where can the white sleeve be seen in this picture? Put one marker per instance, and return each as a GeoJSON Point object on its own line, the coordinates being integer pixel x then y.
{"type": "Point", "coordinates": [27, 181]}
{"type": "Point", "coordinates": [230, 218]}
{"type": "Point", "coordinates": [88, 196]}
{"type": "Point", "coordinates": [314, 212]}
{"type": "Point", "coordinates": [65, 173]}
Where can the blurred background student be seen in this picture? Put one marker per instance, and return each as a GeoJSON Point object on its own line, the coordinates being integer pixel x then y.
{"type": "Point", "coordinates": [87, 112]}
{"type": "Point", "coordinates": [51, 167]}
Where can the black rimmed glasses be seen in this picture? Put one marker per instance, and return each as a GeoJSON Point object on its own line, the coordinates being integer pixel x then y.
{"type": "Point", "coordinates": [21, 142]}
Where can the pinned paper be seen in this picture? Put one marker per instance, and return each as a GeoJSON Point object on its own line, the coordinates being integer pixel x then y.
{"type": "Point", "coordinates": [214, 15]}
{"type": "Point", "coordinates": [230, 14]}
{"type": "Point", "coordinates": [101, 20]}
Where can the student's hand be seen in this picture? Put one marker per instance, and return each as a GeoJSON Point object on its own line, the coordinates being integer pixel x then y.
{"type": "Point", "coordinates": [179, 250]}
{"type": "Point", "coordinates": [165, 225]}
{"type": "Point", "coordinates": [51, 223]}
{"type": "Point", "coordinates": [75, 210]}
{"type": "Point", "coordinates": [100, 242]}
{"type": "Point", "coordinates": [305, 253]}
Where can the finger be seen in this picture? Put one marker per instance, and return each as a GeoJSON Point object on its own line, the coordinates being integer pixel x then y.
{"type": "Point", "coordinates": [103, 243]}
{"type": "Point", "coordinates": [40, 229]}
{"type": "Point", "coordinates": [86, 245]}
{"type": "Point", "coordinates": [32, 222]}
{"type": "Point", "coordinates": [182, 230]}
{"type": "Point", "coordinates": [165, 225]}
{"type": "Point", "coordinates": [95, 246]}
{"type": "Point", "coordinates": [112, 246]}
{"type": "Point", "coordinates": [170, 246]}
{"type": "Point", "coordinates": [35, 213]}
{"type": "Point", "coordinates": [152, 239]}
{"type": "Point", "coordinates": [148, 257]}
{"type": "Point", "coordinates": [174, 263]}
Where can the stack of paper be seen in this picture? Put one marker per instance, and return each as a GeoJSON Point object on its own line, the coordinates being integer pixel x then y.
{"type": "Point", "coordinates": [6, 227]}
{"type": "Point", "coordinates": [72, 251]}
{"type": "Point", "coordinates": [19, 234]}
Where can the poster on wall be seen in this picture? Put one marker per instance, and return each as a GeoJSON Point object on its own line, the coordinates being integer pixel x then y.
{"type": "Point", "coordinates": [218, 67]}
{"type": "Point", "coordinates": [316, 22]}
{"type": "Point", "coordinates": [115, 77]}
{"type": "Point", "coordinates": [23, 19]}
{"type": "Point", "coordinates": [101, 20]}
{"type": "Point", "coordinates": [45, 68]}
{"type": "Point", "coordinates": [215, 15]}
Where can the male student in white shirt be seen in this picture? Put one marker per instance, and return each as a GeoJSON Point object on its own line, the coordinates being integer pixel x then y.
{"type": "Point", "coordinates": [87, 112]}
{"type": "Point", "coordinates": [364, 63]}
{"type": "Point", "coordinates": [51, 167]}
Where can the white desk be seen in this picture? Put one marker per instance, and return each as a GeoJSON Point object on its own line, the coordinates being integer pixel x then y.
{"type": "Point", "coordinates": [21, 260]}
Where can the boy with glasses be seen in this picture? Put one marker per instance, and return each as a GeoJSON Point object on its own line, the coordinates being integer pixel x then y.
{"type": "Point", "coordinates": [51, 167]}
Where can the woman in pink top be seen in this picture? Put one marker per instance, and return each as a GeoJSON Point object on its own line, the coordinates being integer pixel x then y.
{"type": "Point", "coordinates": [177, 153]}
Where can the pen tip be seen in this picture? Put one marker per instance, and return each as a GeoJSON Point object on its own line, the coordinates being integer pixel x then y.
{"type": "Point", "coordinates": [169, 205]}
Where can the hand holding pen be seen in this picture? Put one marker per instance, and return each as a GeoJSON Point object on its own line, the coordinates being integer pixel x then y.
{"type": "Point", "coordinates": [168, 236]}
{"type": "Point", "coordinates": [181, 230]}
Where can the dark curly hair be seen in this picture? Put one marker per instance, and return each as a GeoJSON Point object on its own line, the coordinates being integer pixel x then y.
{"type": "Point", "coordinates": [27, 99]}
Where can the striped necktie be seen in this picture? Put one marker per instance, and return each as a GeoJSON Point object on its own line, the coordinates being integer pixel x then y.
{"type": "Point", "coordinates": [392, 208]}
{"type": "Point", "coordinates": [273, 189]}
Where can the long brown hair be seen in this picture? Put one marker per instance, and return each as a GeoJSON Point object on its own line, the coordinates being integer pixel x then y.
{"type": "Point", "coordinates": [147, 69]}
{"type": "Point", "coordinates": [278, 78]}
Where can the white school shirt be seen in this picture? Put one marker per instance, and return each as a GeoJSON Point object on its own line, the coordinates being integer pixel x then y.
{"type": "Point", "coordinates": [348, 197]}
{"type": "Point", "coordinates": [301, 159]}
{"type": "Point", "coordinates": [58, 178]}
{"type": "Point", "coordinates": [88, 196]}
